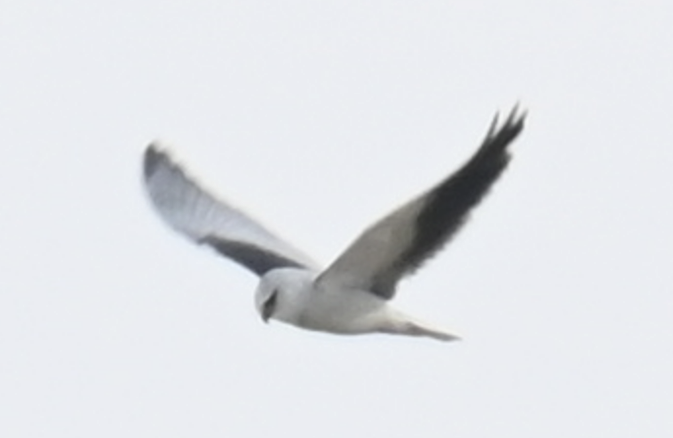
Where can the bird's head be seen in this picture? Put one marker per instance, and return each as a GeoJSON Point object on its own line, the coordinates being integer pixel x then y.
{"type": "Point", "coordinates": [282, 294]}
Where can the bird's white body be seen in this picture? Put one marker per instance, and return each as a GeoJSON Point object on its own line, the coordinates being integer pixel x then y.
{"type": "Point", "coordinates": [352, 295]}
{"type": "Point", "coordinates": [330, 309]}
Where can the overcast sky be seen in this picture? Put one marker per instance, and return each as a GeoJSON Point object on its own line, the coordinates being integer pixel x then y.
{"type": "Point", "coordinates": [318, 117]}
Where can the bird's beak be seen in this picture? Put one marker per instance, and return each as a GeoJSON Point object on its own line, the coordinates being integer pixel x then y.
{"type": "Point", "coordinates": [266, 314]}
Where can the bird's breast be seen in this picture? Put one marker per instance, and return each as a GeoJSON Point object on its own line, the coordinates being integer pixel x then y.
{"type": "Point", "coordinates": [340, 311]}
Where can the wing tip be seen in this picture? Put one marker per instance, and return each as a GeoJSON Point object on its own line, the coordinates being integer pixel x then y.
{"type": "Point", "coordinates": [517, 117]}
{"type": "Point", "coordinates": [155, 156]}
{"type": "Point", "coordinates": [515, 121]}
{"type": "Point", "coordinates": [500, 136]}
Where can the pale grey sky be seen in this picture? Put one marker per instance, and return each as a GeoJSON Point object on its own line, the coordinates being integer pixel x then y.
{"type": "Point", "coordinates": [318, 118]}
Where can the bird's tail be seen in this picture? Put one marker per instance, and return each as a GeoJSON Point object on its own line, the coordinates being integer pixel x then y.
{"type": "Point", "coordinates": [406, 325]}
{"type": "Point", "coordinates": [416, 329]}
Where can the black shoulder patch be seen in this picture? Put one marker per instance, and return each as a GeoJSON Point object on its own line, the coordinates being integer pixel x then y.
{"type": "Point", "coordinates": [258, 260]}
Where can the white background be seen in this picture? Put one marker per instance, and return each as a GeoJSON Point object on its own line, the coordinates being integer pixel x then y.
{"type": "Point", "coordinates": [319, 117]}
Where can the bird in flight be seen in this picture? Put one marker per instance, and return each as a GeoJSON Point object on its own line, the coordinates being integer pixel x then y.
{"type": "Point", "coordinates": [352, 295]}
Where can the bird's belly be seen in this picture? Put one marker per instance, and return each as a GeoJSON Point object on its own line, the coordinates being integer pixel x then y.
{"type": "Point", "coordinates": [351, 312]}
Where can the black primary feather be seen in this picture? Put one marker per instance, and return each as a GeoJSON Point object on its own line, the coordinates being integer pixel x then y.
{"type": "Point", "coordinates": [448, 204]}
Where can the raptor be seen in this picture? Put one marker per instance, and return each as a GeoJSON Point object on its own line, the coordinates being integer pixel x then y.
{"type": "Point", "coordinates": [353, 294]}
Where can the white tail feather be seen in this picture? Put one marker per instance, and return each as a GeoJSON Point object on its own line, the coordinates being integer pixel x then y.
{"type": "Point", "coordinates": [402, 324]}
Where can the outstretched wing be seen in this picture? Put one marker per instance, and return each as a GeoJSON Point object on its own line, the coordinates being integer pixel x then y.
{"type": "Point", "coordinates": [399, 243]}
{"type": "Point", "coordinates": [192, 211]}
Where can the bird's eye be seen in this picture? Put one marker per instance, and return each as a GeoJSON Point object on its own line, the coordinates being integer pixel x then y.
{"type": "Point", "coordinates": [269, 306]}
